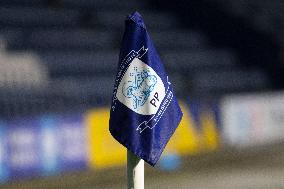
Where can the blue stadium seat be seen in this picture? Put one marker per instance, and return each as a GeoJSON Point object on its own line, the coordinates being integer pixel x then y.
{"type": "Point", "coordinates": [100, 87]}
{"type": "Point", "coordinates": [198, 59]}
{"type": "Point", "coordinates": [70, 39]}
{"type": "Point", "coordinates": [218, 81]}
{"type": "Point", "coordinates": [267, 16]}
{"type": "Point", "coordinates": [81, 63]}
{"type": "Point", "coordinates": [23, 2]}
{"type": "Point", "coordinates": [179, 39]}
{"type": "Point", "coordinates": [36, 17]}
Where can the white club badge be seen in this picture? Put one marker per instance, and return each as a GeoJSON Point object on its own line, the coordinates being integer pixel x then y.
{"type": "Point", "coordinates": [141, 89]}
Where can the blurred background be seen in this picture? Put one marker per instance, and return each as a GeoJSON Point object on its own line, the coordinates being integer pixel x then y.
{"type": "Point", "coordinates": [58, 61]}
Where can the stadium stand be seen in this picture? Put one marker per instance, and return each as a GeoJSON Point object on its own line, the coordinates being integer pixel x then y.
{"type": "Point", "coordinates": [38, 17]}
{"type": "Point", "coordinates": [78, 43]}
{"type": "Point", "coordinates": [232, 24]}
{"type": "Point", "coordinates": [69, 40]}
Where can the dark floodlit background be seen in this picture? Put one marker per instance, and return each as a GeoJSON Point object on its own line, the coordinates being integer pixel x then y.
{"type": "Point", "coordinates": [58, 60]}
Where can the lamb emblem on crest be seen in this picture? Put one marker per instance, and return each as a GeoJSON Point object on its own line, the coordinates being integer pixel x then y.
{"type": "Point", "coordinates": [139, 87]}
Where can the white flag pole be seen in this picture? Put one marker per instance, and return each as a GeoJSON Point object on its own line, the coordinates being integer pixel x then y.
{"type": "Point", "coordinates": [135, 171]}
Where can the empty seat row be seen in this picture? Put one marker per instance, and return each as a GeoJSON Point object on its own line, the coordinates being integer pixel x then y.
{"type": "Point", "coordinates": [267, 16]}
{"type": "Point", "coordinates": [70, 39]}
{"type": "Point", "coordinates": [82, 63]}
{"type": "Point", "coordinates": [53, 39]}
{"type": "Point", "coordinates": [36, 104]}
{"type": "Point", "coordinates": [198, 59]}
{"type": "Point", "coordinates": [178, 39]}
{"type": "Point", "coordinates": [38, 17]}
{"type": "Point", "coordinates": [60, 94]}
{"type": "Point", "coordinates": [23, 2]}
{"type": "Point", "coordinates": [101, 86]}
{"type": "Point", "coordinates": [218, 82]}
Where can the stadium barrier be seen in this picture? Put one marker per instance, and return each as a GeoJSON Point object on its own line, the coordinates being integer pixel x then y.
{"type": "Point", "coordinates": [57, 143]}
{"type": "Point", "coordinates": [252, 119]}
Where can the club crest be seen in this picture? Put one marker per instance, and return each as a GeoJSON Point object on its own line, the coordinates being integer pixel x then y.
{"type": "Point", "coordinates": [142, 87]}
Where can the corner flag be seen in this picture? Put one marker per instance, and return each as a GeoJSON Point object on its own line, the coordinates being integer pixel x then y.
{"type": "Point", "coordinates": [144, 112]}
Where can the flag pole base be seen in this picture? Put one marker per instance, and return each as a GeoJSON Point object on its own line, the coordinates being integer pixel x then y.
{"type": "Point", "coordinates": [135, 171]}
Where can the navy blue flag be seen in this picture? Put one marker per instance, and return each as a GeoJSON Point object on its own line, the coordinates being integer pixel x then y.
{"type": "Point", "coordinates": [144, 112]}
